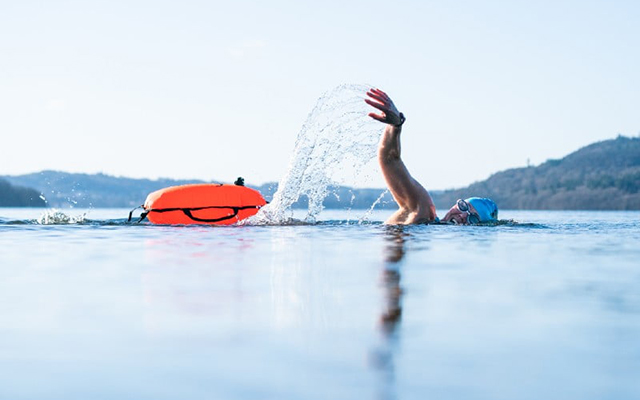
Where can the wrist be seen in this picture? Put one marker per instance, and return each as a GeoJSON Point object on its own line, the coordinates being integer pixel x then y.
{"type": "Point", "coordinates": [402, 119]}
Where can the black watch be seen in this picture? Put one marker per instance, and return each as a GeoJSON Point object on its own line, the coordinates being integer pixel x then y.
{"type": "Point", "coordinates": [402, 119]}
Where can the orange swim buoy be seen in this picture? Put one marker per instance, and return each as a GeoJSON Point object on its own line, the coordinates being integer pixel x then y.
{"type": "Point", "coordinates": [217, 204]}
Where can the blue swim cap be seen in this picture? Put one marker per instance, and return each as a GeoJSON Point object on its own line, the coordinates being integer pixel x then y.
{"type": "Point", "coordinates": [486, 208]}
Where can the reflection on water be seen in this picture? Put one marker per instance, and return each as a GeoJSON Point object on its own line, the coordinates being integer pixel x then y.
{"type": "Point", "coordinates": [394, 253]}
{"type": "Point", "coordinates": [382, 357]}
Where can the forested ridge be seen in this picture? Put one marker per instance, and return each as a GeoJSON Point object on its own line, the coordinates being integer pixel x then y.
{"type": "Point", "coordinates": [600, 176]}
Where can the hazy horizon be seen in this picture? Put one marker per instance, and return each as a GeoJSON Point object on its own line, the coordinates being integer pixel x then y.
{"type": "Point", "coordinates": [206, 90]}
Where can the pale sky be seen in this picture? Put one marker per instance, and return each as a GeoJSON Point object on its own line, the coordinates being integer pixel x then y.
{"type": "Point", "coordinates": [215, 90]}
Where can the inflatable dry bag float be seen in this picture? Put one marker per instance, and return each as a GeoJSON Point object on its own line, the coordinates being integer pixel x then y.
{"type": "Point", "coordinates": [218, 204]}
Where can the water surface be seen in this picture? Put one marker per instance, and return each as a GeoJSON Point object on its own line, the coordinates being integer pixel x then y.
{"type": "Point", "coordinates": [97, 308]}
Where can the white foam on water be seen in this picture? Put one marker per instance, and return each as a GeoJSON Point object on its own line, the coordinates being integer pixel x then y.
{"type": "Point", "coordinates": [335, 144]}
{"type": "Point", "coordinates": [56, 217]}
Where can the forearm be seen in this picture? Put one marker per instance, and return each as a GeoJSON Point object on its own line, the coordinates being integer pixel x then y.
{"type": "Point", "coordinates": [407, 192]}
{"type": "Point", "coordinates": [389, 148]}
{"type": "Point", "coordinates": [395, 173]}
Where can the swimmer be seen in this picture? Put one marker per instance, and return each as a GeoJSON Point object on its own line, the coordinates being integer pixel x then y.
{"type": "Point", "coordinates": [416, 205]}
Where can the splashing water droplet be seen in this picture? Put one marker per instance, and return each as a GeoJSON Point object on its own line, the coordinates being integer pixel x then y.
{"type": "Point", "coordinates": [55, 217]}
{"type": "Point", "coordinates": [333, 146]}
{"type": "Point", "coordinates": [367, 215]}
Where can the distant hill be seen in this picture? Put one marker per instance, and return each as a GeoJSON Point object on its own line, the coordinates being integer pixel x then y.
{"type": "Point", "coordinates": [62, 189]}
{"type": "Point", "coordinates": [18, 196]}
{"type": "Point", "coordinates": [601, 176]}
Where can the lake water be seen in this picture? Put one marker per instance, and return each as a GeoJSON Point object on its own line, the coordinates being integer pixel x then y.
{"type": "Point", "coordinates": [547, 308]}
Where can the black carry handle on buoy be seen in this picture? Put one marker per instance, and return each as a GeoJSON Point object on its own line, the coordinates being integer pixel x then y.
{"type": "Point", "coordinates": [187, 212]}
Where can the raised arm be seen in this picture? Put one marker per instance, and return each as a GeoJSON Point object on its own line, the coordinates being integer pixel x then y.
{"type": "Point", "coordinates": [415, 204]}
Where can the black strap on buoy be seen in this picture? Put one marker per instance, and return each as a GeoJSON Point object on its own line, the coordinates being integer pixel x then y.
{"type": "Point", "coordinates": [188, 212]}
{"type": "Point", "coordinates": [142, 216]}
{"type": "Point", "coordinates": [239, 181]}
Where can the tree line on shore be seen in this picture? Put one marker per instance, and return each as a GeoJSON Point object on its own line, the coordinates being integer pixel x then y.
{"type": "Point", "coordinates": [601, 176]}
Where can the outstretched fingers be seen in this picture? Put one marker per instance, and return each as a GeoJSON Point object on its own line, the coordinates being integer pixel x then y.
{"type": "Point", "coordinates": [381, 101]}
{"type": "Point", "coordinates": [377, 97]}
{"type": "Point", "coordinates": [378, 117]}
{"type": "Point", "coordinates": [381, 94]}
{"type": "Point", "coordinates": [379, 106]}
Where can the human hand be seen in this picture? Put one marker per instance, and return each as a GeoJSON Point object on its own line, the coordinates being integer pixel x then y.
{"type": "Point", "coordinates": [389, 114]}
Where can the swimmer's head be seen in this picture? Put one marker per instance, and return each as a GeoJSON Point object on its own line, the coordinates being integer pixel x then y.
{"type": "Point", "coordinates": [472, 211]}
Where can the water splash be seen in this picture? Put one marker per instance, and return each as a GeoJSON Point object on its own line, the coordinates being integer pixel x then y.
{"type": "Point", "coordinates": [334, 145]}
{"type": "Point", "coordinates": [55, 217]}
{"type": "Point", "coordinates": [367, 215]}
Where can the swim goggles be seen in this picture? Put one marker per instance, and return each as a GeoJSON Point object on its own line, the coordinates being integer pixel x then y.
{"type": "Point", "coordinates": [463, 206]}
